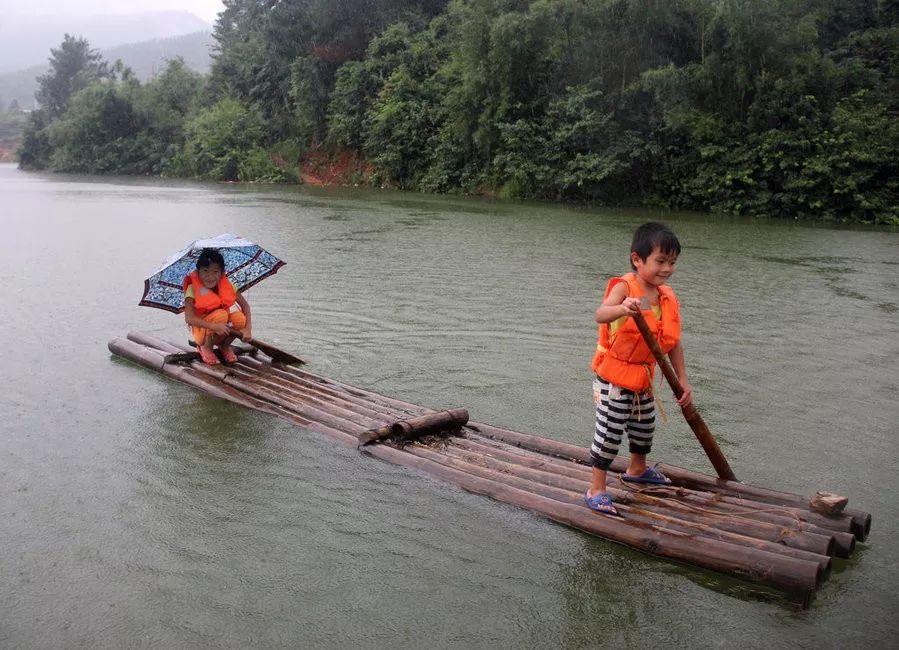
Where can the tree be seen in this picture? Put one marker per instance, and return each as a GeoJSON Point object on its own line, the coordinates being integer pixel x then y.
{"type": "Point", "coordinates": [73, 66]}
{"type": "Point", "coordinates": [97, 134]}
{"type": "Point", "coordinates": [219, 140]}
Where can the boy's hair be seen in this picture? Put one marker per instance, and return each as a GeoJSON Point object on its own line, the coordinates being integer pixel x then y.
{"type": "Point", "coordinates": [650, 235]}
{"type": "Point", "coordinates": [209, 256]}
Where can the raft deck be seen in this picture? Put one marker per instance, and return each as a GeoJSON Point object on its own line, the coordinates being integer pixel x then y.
{"type": "Point", "coordinates": [755, 534]}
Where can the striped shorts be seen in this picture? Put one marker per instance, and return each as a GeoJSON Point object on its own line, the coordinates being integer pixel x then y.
{"type": "Point", "coordinates": [620, 411]}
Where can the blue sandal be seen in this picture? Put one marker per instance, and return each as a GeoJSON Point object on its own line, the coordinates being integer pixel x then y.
{"type": "Point", "coordinates": [651, 475]}
{"type": "Point", "coordinates": [602, 502]}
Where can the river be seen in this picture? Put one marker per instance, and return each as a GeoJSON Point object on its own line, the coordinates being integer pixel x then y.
{"type": "Point", "coordinates": [137, 512]}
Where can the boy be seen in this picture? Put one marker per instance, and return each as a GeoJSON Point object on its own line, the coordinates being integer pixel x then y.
{"type": "Point", "coordinates": [209, 299]}
{"type": "Point", "coordinates": [624, 365]}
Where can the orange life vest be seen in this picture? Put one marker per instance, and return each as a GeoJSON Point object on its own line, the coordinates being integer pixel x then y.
{"type": "Point", "coordinates": [207, 300]}
{"type": "Point", "coordinates": [623, 358]}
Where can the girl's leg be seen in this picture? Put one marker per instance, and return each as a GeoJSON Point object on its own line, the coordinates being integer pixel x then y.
{"type": "Point", "coordinates": [237, 321]}
{"type": "Point", "coordinates": [207, 339]}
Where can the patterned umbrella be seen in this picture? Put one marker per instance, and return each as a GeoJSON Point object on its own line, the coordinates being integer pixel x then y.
{"type": "Point", "coordinates": [246, 264]}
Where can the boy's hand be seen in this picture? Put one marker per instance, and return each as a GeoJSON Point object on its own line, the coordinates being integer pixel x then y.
{"type": "Point", "coordinates": [686, 397]}
{"type": "Point", "coordinates": [246, 334]}
{"type": "Point", "coordinates": [219, 328]}
{"type": "Point", "coordinates": [631, 306]}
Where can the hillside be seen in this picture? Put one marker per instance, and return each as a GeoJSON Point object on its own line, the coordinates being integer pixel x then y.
{"type": "Point", "coordinates": [148, 57]}
{"type": "Point", "coordinates": [145, 58]}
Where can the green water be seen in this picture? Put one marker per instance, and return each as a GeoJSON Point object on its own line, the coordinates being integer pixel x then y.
{"type": "Point", "coordinates": [137, 512]}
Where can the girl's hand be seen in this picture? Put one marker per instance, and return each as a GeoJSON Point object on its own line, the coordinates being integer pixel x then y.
{"type": "Point", "coordinates": [246, 334]}
{"type": "Point", "coordinates": [219, 328]}
{"type": "Point", "coordinates": [686, 397]}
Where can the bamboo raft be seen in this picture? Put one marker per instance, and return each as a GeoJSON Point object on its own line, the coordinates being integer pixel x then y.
{"type": "Point", "coordinates": [759, 535]}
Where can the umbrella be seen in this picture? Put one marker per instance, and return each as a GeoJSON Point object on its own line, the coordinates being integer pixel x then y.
{"type": "Point", "coordinates": [246, 264]}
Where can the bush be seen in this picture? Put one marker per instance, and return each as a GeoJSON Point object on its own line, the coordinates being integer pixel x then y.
{"type": "Point", "coordinates": [257, 166]}
{"type": "Point", "coordinates": [217, 139]}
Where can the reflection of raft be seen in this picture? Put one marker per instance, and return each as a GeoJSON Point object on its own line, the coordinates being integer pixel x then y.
{"type": "Point", "coordinates": [759, 535]}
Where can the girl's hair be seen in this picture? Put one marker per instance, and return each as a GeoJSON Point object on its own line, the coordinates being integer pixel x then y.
{"type": "Point", "coordinates": [650, 235]}
{"type": "Point", "coordinates": [210, 256]}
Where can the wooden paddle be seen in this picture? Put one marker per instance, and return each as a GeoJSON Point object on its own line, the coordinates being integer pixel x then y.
{"type": "Point", "coordinates": [691, 415]}
{"type": "Point", "coordinates": [276, 354]}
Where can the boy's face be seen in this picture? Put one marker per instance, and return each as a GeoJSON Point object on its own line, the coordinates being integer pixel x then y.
{"type": "Point", "coordinates": [210, 275]}
{"type": "Point", "coordinates": [656, 268]}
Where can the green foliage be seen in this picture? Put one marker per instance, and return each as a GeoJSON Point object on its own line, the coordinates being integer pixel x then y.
{"type": "Point", "coordinates": [769, 107]}
{"type": "Point", "coordinates": [778, 127]}
{"type": "Point", "coordinates": [264, 50]}
{"type": "Point", "coordinates": [575, 150]}
{"type": "Point", "coordinates": [310, 80]}
{"type": "Point", "coordinates": [97, 133]}
{"type": "Point", "coordinates": [257, 166]}
{"type": "Point", "coordinates": [72, 67]}
{"type": "Point", "coordinates": [219, 140]}
{"type": "Point", "coordinates": [164, 106]}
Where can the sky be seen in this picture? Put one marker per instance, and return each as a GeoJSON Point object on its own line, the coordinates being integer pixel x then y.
{"type": "Point", "coordinates": [205, 9]}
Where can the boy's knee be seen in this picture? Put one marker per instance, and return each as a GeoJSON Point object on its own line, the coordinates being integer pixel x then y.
{"type": "Point", "coordinates": [599, 462]}
{"type": "Point", "coordinates": [637, 448]}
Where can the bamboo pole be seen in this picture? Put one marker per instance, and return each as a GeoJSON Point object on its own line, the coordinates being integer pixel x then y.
{"type": "Point", "coordinates": [797, 578]}
{"type": "Point", "coordinates": [351, 401]}
{"type": "Point", "coordinates": [859, 521]}
{"type": "Point", "coordinates": [781, 516]}
{"type": "Point", "coordinates": [261, 383]}
{"type": "Point", "coordinates": [144, 355]}
{"type": "Point", "coordinates": [697, 424]}
{"type": "Point", "coordinates": [666, 522]}
{"type": "Point", "coordinates": [859, 525]}
{"type": "Point", "coordinates": [354, 390]}
{"type": "Point", "coordinates": [432, 423]}
{"type": "Point", "coordinates": [813, 542]}
{"type": "Point", "coordinates": [311, 412]}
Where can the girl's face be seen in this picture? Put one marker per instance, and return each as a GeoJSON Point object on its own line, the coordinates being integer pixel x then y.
{"type": "Point", "coordinates": [657, 268]}
{"type": "Point", "coordinates": [210, 275]}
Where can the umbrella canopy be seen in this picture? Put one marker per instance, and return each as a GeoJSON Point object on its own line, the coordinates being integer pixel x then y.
{"type": "Point", "coordinates": [246, 264]}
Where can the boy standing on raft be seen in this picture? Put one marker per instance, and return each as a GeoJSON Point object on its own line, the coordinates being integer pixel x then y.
{"type": "Point", "coordinates": [624, 365]}
{"type": "Point", "coordinates": [209, 299]}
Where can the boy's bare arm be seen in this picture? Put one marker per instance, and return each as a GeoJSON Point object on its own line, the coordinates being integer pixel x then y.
{"type": "Point", "coordinates": [616, 305]}
{"type": "Point", "coordinates": [676, 356]}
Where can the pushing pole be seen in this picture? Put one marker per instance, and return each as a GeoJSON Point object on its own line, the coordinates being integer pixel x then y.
{"type": "Point", "coordinates": [691, 415]}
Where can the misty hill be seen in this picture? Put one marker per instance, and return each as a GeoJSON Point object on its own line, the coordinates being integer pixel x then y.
{"type": "Point", "coordinates": [26, 40]}
{"type": "Point", "coordinates": [146, 59]}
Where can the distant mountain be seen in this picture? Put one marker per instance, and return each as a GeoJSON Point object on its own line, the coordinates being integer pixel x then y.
{"type": "Point", "coordinates": [146, 59]}
{"type": "Point", "coordinates": [20, 86]}
{"type": "Point", "coordinates": [26, 40]}
{"type": "Point", "coordinates": [149, 57]}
